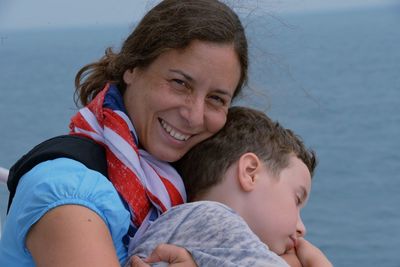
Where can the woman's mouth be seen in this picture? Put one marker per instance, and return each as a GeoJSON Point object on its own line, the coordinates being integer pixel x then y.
{"type": "Point", "coordinates": [173, 132]}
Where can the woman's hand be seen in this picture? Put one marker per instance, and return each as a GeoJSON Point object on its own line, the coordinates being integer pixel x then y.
{"type": "Point", "coordinates": [291, 258]}
{"type": "Point", "coordinates": [175, 256]}
{"type": "Point", "coordinates": [71, 235]}
{"type": "Point", "coordinates": [311, 256]}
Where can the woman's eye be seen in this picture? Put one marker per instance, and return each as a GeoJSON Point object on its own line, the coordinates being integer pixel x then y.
{"type": "Point", "coordinates": [218, 100]}
{"type": "Point", "coordinates": [179, 82]}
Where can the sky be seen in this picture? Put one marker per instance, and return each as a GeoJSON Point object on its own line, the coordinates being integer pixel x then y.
{"type": "Point", "coordinates": [22, 14]}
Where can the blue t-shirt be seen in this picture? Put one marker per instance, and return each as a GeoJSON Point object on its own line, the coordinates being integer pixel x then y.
{"type": "Point", "coordinates": [54, 183]}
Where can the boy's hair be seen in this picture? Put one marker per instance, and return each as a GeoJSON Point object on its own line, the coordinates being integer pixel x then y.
{"type": "Point", "coordinates": [246, 130]}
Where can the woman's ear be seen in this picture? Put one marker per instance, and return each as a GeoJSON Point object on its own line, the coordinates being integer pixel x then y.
{"type": "Point", "coordinates": [129, 76]}
{"type": "Point", "coordinates": [248, 167]}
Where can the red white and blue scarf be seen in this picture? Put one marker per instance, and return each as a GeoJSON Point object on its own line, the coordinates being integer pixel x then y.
{"type": "Point", "coordinates": [149, 186]}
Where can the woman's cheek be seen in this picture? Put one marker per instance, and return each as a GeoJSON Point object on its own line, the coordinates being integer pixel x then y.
{"type": "Point", "coordinates": [215, 122]}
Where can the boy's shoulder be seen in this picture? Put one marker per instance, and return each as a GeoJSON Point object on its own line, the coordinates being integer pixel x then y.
{"type": "Point", "coordinates": [203, 220]}
{"type": "Point", "coordinates": [190, 213]}
{"type": "Point", "coordinates": [212, 232]}
{"type": "Point", "coordinates": [203, 206]}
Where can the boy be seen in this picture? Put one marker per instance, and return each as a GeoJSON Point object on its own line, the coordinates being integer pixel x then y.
{"type": "Point", "coordinates": [249, 183]}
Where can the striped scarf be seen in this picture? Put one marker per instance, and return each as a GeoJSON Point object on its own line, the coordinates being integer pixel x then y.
{"type": "Point", "coordinates": [149, 186]}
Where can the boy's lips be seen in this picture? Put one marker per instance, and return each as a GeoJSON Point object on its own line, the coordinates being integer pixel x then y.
{"type": "Point", "coordinates": [292, 244]}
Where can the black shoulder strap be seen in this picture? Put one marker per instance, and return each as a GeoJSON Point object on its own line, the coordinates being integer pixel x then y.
{"type": "Point", "coordinates": [78, 148]}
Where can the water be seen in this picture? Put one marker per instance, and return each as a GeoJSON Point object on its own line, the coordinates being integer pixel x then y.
{"type": "Point", "coordinates": [332, 77]}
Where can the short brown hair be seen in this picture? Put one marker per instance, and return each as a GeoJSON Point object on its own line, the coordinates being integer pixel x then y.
{"type": "Point", "coordinates": [246, 130]}
{"type": "Point", "coordinates": [172, 24]}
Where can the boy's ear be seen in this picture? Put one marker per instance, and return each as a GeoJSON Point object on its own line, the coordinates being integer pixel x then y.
{"type": "Point", "coordinates": [248, 166]}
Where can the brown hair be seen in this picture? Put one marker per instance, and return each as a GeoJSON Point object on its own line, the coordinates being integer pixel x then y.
{"type": "Point", "coordinates": [246, 130]}
{"type": "Point", "coordinates": [172, 24]}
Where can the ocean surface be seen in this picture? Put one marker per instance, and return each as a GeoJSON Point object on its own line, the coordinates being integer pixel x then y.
{"type": "Point", "coordinates": [332, 77]}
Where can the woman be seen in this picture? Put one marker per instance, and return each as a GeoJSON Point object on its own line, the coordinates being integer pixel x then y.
{"type": "Point", "coordinates": [168, 89]}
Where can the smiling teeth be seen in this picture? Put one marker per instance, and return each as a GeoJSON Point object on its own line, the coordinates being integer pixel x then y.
{"type": "Point", "coordinates": [172, 132]}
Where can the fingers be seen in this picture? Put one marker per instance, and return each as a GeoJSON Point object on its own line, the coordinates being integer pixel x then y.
{"type": "Point", "coordinates": [304, 250]}
{"type": "Point", "coordinates": [138, 262]}
{"type": "Point", "coordinates": [310, 255]}
{"type": "Point", "coordinates": [291, 258]}
{"type": "Point", "coordinates": [174, 255]}
{"type": "Point", "coordinates": [169, 253]}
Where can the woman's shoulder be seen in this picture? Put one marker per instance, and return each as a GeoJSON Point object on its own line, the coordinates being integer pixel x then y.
{"type": "Point", "coordinates": [58, 182]}
{"type": "Point", "coordinates": [65, 181]}
{"type": "Point", "coordinates": [64, 178]}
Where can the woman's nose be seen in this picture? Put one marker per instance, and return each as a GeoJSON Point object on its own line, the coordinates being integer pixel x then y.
{"type": "Point", "coordinates": [193, 112]}
{"type": "Point", "coordinates": [300, 228]}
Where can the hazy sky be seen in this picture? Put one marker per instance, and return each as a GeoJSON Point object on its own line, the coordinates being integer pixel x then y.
{"type": "Point", "coordinates": [66, 13]}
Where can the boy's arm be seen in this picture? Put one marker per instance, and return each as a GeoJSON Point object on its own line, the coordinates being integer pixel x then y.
{"type": "Point", "coordinates": [311, 256]}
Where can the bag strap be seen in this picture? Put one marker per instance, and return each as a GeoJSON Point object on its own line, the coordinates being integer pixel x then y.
{"type": "Point", "coordinates": [78, 148]}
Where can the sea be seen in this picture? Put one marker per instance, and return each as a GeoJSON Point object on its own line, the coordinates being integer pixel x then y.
{"type": "Point", "coordinates": [331, 76]}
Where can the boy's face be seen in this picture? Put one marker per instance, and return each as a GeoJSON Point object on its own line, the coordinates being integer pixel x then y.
{"type": "Point", "coordinates": [275, 205]}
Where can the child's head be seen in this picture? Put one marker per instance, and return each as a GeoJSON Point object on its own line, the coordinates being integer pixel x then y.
{"type": "Point", "coordinates": [260, 169]}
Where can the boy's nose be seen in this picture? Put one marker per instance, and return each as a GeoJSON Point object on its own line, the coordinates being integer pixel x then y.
{"type": "Point", "coordinates": [300, 228]}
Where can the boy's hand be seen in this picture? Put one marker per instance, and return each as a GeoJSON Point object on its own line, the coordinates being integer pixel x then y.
{"type": "Point", "coordinates": [291, 258]}
{"type": "Point", "coordinates": [309, 255]}
{"type": "Point", "coordinates": [174, 255]}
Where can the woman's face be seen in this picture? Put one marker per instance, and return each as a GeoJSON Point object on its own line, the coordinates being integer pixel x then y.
{"type": "Point", "coordinates": [182, 98]}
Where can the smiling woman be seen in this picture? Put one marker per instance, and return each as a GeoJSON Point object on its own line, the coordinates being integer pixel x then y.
{"type": "Point", "coordinates": [167, 89]}
{"type": "Point", "coordinates": [182, 98]}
